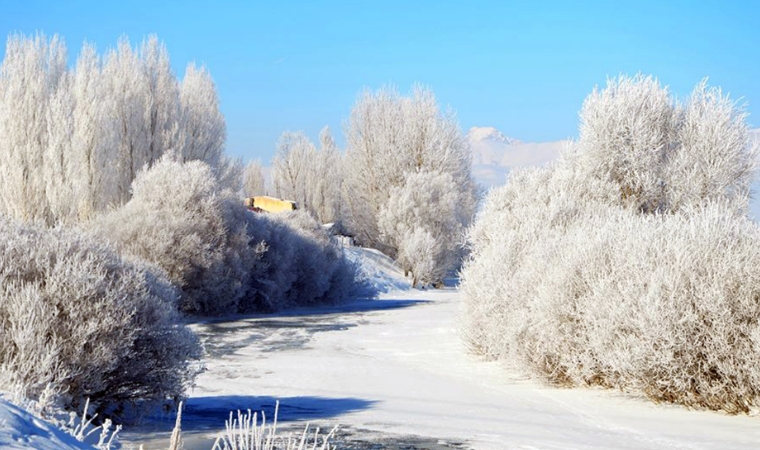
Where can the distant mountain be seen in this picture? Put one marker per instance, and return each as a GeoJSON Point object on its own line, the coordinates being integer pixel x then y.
{"type": "Point", "coordinates": [489, 134]}
{"type": "Point", "coordinates": [494, 154]}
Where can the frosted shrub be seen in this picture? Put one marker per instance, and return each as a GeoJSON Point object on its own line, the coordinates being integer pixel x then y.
{"type": "Point", "coordinates": [223, 258]}
{"type": "Point", "coordinates": [181, 221]}
{"type": "Point", "coordinates": [715, 159]}
{"type": "Point", "coordinates": [301, 264]}
{"type": "Point", "coordinates": [663, 155]}
{"type": "Point", "coordinates": [79, 322]}
{"type": "Point", "coordinates": [626, 131]}
{"type": "Point", "coordinates": [591, 273]}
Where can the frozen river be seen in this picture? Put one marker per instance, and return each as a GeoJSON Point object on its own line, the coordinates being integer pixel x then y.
{"type": "Point", "coordinates": [393, 373]}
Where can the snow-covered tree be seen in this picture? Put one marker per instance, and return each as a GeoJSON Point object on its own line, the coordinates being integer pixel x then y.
{"type": "Point", "coordinates": [30, 77]}
{"type": "Point", "coordinates": [203, 127]}
{"type": "Point", "coordinates": [310, 176]}
{"type": "Point", "coordinates": [325, 180]}
{"type": "Point", "coordinates": [420, 219]}
{"type": "Point", "coordinates": [290, 167]}
{"type": "Point", "coordinates": [630, 263]}
{"type": "Point", "coordinates": [253, 179]}
{"type": "Point", "coordinates": [94, 143]}
{"type": "Point", "coordinates": [72, 140]}
{"type": "Point", "coordinates": [127, 96]}
{"type": "Point", "coordinates": [62, 188]}
{"type": "Point", "coordinates": [390, 138]}
{"type": "Point", "coordinates": [164, 109]}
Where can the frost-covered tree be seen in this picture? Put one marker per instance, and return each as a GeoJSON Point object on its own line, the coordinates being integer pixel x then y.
{"type": "Point", "coordinates": [310, 176]}
{"type": "Point", "coordinates": [94, 143]}
{"type": "Point", "coordinates": [127, 95]}
{"type": "Point", "coordinates": [325, 178]}
{"type": "Point", "coordinates": [420, 219]}
{"type": "Point", "coordinates": [164, 107]}
{"type": "Point", "coordinates": [391, 138]}
{"type": "Point", "coordinates": [72, 140]}
{"type": "Point", "coordinates": [30, 77]}
{"type": "Point", "coordinates": [229, 173]}
{"type": "Point", "coordinates": [290, 167]}
{"type": "Point", "coordinates": [62, 184]}
{"type": "Point", "coordinates": [253, 179]}
{"type": "Point", "coordinates": [203, 127]}
{"type": "Point", "coordinates": [630, 263]}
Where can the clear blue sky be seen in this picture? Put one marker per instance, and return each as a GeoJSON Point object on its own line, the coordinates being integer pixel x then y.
{"type": "Point", "coordinates": [522, 67]}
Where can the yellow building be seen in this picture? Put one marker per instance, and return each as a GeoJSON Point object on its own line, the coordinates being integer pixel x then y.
{"type": "Point", "coordinates": [270, 204]}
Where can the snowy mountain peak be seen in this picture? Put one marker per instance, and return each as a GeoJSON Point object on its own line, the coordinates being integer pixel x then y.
{"type": "Point", "coordinates": [494, 155]}
{"type": "Point", "coordinates": [480, 134]}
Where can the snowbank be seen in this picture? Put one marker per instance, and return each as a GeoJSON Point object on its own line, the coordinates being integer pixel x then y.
{"type": "Point", "coordinates": [378, 270]}
{"type": "Point", "coordinates": [19, 429]}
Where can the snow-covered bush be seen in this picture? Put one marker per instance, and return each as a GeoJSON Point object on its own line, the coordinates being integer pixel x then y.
{"type": "Point", "coordinates": [77, 322]}
{"type": "Point", "coordinates": [714, 158]}
{"type": "Point", "coordinates": [614, 268]}
{"type": "Point", "coordinates": [661, 154]}
{"type": "Point", "coordinates": [223, 258]}
{"type": "Point", "coordinates": [301, 264]}
{"type": "Point", "coordinates": [181, 221]}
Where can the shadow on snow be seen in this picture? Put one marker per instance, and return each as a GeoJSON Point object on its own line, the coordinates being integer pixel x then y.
{"type": "Point", "coordinates": [356, 306]}
{"type": "Point", "coordinates": [210, 413]}
{"type": "Point", "coordinates": [289, 330]}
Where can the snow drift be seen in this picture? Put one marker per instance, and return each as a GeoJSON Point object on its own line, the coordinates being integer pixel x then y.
{"type": "Point", "coordinates": [20, 430]}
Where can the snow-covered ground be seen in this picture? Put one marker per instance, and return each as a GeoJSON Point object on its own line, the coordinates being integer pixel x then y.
{"type": "Point", "coordinates": [21, 430]}
{"type": "Point", "coordinates": [396, 366]}
{"type": "Point", "coordinates": [388, 369]}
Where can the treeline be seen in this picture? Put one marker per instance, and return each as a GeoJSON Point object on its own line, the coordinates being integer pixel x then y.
{"type": "Point", "coordinates": [72, 140]}
{"type": "Point", "coordinates": [402, 186]}
{"type": "Point", "coordinates": [119, 213]}
{"type": "Point", "coordinates": [631, 262]}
